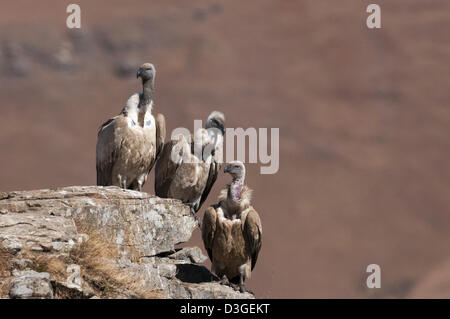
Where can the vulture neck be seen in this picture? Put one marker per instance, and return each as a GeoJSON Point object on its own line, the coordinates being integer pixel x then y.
{"type": "Point", "coordinates": [231, 205]}
{"type": "Point", "coordinates": [235, 191]}
{"type": "Point", "coordinates": [145, 101]}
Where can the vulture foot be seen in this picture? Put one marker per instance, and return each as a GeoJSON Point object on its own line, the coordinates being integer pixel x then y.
{"type": "Point", "coordinates": [224, 281]}
{"type": "Point", "coordinates": [242, 286]}
{"type": "Point", "coordinates": [124, 183]}
{"type": "Point", "coordinates": [243, 289]}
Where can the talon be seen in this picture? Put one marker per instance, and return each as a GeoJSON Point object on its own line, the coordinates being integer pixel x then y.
{"type": "Point", "coordinates": [235, 287]}
{"type": "Point", "coordinates": [224, 281]}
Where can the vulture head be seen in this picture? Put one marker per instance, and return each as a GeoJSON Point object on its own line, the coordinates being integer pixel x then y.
{"type": "Point", "coordinates": [216, 120]}
{"type": "Point", "coordinates": [146, 72]}
{"type": "Point", "coordinates": [236, 169]}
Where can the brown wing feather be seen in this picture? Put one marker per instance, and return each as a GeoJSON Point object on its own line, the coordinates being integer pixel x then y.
{"type": "Point", "coordinates": [212, 177]}
{"type": "Point", "coordinates": [165, 170]}
{"type": "Point", "coordinates": [160, 133]}
{"type": "Point", "coordinates": [160, 124]}
{"type": "Point", "coordinates": [106, 151]}
{"type": "Point", "coordinates": [208, 229]}
{"type": "Point", "coordinates": [253, 234]}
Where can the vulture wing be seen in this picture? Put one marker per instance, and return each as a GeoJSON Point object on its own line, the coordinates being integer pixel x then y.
{"type": "Point", "coordinates": [107, 150]}
{"type": "Point", "coordinates": [160, 123]}
{"type": "Point", "coordinates": [160, 133]}
{"type": "Point", "coordinates": [213, 173]}
{"type": "Point", "coordinates": [208, 229]}
{"type": "Point", "coordinates": [253, 234]}
{"type": "Point", "coordinates": [165, 170]}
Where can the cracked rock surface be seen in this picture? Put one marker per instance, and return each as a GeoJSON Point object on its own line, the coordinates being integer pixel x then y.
{"type": "Point", "coordinates": [144, 230]}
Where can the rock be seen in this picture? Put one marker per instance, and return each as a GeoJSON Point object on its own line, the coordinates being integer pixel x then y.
{"type": "Point", "coordinates": [180, 281]}
{"type": "Point", "coordinates": [46, 230]}
{"type": "Point", "coordinates": [34, 229]}
{"type": "Point", "coordinates": [31, 284]}
{"type": "Point", "coordinates": [189, 254]}
{"type": "Point", "coordinates": [194, 273]}
{"type": "Point", "coordinates": [21, 263]}
{"type": "Point", "coordinates": [138, 223]}
{"type": "Point", "coordinates": [180, 290]}
{"type": "Point", "coordinates": [167, 270]}
{"type": "Point", "coordinates": [11, 244]}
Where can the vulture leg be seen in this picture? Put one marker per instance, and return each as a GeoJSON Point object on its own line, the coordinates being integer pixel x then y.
{"type": "Point", "coordinates": [241, 283]}
{"type": "Point", "coordinates": [224, 281]}
{"type": "Point", "coordinates": [140, 182]}
{"type": "Point", "coordinates": [213, 277]}
{"type": "Point", "coordinates": [242, 286]}
{"type": "Point", "coordinates": [242, 279]}
{"type": "Point", "coordinates": [123, 182]}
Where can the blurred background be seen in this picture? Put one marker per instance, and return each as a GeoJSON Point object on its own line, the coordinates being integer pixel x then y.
{"type": "Point", "coordinates": [364, 120]}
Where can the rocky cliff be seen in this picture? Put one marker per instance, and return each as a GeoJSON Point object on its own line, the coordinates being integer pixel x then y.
{"type": "Point", "coordinates": [100, 242]}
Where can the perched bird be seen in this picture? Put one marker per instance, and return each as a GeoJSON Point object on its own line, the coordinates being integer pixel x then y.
{"type": "Point", "coordinates": [232, 231]}
{"type": "Point", "coordinates": [188, 167]}
{"type": "Point", "coordinates": [129, 143]}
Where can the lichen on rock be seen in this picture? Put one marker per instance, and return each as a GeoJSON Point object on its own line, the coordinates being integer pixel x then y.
{"type": "Point", "coordinates": [123, 242]}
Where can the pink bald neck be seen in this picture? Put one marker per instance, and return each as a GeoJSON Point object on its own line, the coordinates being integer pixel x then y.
{"type": "Point", "coordinates": [236, 188]}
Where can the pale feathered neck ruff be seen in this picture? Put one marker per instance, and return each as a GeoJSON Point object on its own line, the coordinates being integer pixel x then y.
{"type": "Point", "coordinates": [235, 208]}
{"type": "Point", "coordinates": [133, 109]}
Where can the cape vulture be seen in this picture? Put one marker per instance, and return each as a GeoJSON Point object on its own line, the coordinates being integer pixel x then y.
{"type": "Point", "coordinates": [188, 167]}
{"type": "Point", "coordinates": [129, 143]}
{"type": "Point", "coordinates": [232, 231]}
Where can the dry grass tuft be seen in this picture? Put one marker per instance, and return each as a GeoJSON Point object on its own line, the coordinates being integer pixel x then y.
{"type": "Point", "coordinates": [5, 271]}
{"type": "Point", "coordinates": [5, 260]}
{"type": "Point", "coordinates": [95, 256]}
{"type": "Point", "coordinates": [100, 274]}
{"type": "Point", "coordinates": [53, 265]}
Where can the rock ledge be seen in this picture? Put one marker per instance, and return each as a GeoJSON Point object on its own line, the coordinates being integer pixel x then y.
{"type": "Point", "coordinates": [100, 242]}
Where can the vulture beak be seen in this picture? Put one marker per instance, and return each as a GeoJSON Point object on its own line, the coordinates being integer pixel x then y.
{"type": "Point", "coordinates": [138, 74]}
{"type": "Point", "coordinates": [222, 128]}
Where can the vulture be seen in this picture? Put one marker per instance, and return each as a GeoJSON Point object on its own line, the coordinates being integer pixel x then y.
{"type": "Point", "coordinates": [232, 231]}
{"type": "Point", "coordinates": [129, 143]}
{"type": "Point", "coordinates": [188, 166]}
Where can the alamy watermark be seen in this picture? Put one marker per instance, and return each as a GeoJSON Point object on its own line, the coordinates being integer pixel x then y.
{"type": "Point", "coordinates": [211, 144]}
{"type": "Point", "coordinates": [374, 279]}
{"type": "Point", "coordinates": [373, 21]}
{"type": "Point", "coordinates": [74, 18]}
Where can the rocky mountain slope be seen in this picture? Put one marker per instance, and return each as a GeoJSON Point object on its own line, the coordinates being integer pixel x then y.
{"type": "Point", "coordinates": [100, 242]}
